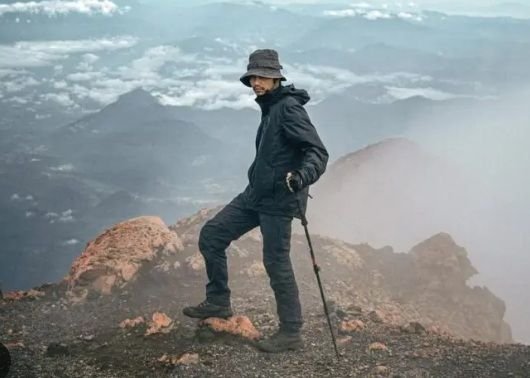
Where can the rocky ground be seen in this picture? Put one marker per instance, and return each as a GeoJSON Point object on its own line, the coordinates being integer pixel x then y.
{"type": "Point", "coordinates": [54, 339]}
{"type": "Point", "coordinates": [385, 326]}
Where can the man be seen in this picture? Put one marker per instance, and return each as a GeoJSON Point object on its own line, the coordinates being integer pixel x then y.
{"type": "Point", "coordinates": [289, 157]}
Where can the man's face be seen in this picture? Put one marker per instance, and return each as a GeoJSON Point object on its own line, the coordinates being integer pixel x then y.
{"type": "Point", "coordinates": [262, 85]}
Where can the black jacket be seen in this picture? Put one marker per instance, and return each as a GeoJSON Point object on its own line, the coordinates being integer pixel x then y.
{"type": "Point", "coordinates": [286, 141]}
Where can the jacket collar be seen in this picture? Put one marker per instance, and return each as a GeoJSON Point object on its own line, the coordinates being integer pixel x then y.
{"type": "Point", "coordinates": [269, 99]}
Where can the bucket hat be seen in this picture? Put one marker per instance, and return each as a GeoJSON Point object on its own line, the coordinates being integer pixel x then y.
{"type": "Point", "coordinates": [265, 63]}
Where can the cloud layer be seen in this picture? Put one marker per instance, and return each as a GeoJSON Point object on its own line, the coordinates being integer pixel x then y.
{"type": "Point", "coordinates": [45, 53]}
{"type": "Point", "coordinates": [56, 7]}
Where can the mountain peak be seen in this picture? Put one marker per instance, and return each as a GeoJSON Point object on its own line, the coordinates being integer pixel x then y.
{"type": "Point", "coordinates": [138, 96]}
{"type": "Point", "coordinates": [376, 149]}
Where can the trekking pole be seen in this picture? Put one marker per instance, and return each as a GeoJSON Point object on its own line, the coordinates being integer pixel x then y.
{"type": "Point", "coordinates": [316, 268]}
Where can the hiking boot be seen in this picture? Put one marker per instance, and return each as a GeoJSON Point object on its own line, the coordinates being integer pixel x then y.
{"type": "Point", "coordinates": [281, 341]}
{"type": "Point", "coordinates": [206, 309]}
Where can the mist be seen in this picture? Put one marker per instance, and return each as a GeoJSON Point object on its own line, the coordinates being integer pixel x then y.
{"type": "Point", "coordinates": [460, 171]}
{"type": "Point", "coordinates": [490, 144]}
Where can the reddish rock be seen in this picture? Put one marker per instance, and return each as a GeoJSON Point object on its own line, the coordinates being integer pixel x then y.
{"type": "Point", "coordinates": [161, 323]}
{"type": "Point", "coordinates": [130, 323]}
{"type": "Point", "coordinates": [351, 326]}
{"type": "Point", "coordinates": [236, 325]}
{"type": "Point", "coordinates": [114, 258]}
{"type": "Point", "coordinates": [377, 347]}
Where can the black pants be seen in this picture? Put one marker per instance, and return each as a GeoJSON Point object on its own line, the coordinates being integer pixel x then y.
{"type": "Point", "coordinates": [234, 220]}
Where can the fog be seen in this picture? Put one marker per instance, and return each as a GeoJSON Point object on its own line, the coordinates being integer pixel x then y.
{"type": "Point", "coordinates": [465, 173]}
{"type": "Point", "coordinates": [491, 145]}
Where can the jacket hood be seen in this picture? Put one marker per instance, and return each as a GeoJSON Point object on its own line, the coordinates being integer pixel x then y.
{"type": "Point", "coordinates": [300, 95]}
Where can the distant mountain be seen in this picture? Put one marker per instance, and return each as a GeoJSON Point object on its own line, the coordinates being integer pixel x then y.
{"type": "Point", "coordinates": [135, 142]}
{"type": "Point", "coordinates": [357, 32]}
{"type": "Point", "coordinates": [347, 122]}
{"type": "Point", "coordinates": [377, 58]}
{"type": "Point", "coordinates": [253, 23]}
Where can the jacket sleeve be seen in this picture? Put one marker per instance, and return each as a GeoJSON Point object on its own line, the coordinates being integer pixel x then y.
{"type": "Point", "coordinates": [301, 132]}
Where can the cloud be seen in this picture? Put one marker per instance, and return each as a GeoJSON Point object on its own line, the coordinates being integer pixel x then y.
{"type": "Point", "coordinates": [63, 168]}
{"type": "Point", "coordinates": [18, 100]}
{"type": "Point", "coordinates": [362, 10]}
{"type": "Point", "coordinates": [62, 98]}
{"type": "Point", "coordinates": [154, 59]}
{"type": "Point", "coordinates": [177, 78]}
{"type": "Point", "coordinates": [17, 84]}
{"type": "Point", "coordinates": [45, 53]}
{"type": "Point", "coordinates": [210, 94]}
{"type": "Point", "coordinates": [341, 13]}
{"type": "Point", "coordinates": [70, 242]}
{"type": "Point", "coordinates": [11, 72]}
{"type": "Point", "coordinates": [430, 93]}
{"type": "Point", "coordinates": [65, 217]}
{"type": "Point", "coordinates": [321, 81]}
{"type": "Point", "coordinates": [87, 61]}
{"type": "Point", "coordinates": [409, 16]}
{"type": "Point", "coordinates": [57, 7]}
{"type": "Point", "coordinates": [60, 84]}
{"type": "Point", "coordinates": [84, 76]}
{"type": "Point", "coordinates": [16, 57]}
{"type": "Point", "coordinates": [375, 15]}
{"type": "Point", "coordinates": [78, 46]}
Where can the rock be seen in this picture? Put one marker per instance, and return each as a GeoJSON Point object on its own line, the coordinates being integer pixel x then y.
{"type": "Point", "coordinates": [341, 314]}
{"type": "Point", "coordinates": [344, 340]}
{"type": "Point", "coordinates": [114, 258]}
{"type": "Point", "coordinates": [188, 359]}
{"type": "Point", "coordinates": [376, 316]}
{"type": "Point", "coordinates": [441, 262]}
{"type": "Point", "coordinates": [161, 323]}
{"type": "Point", "coordinates": [351, 326]}
{"type": "Point", "coordinates": [236, 325]}
{"type": "Point", "coordinates": [354, 310]}
{"type": "Point", "coordinates": [344, 254]}
{"type": "Point", "coordinates": [255, 270]}
{"type": "Point", "coordinates": [14, 344]}
{"type": "Point", "coordinates": [18, 295]}
{"type": "Point", "coordinates": [129, 323]}
{"type": "Point", "coordinates": [377, 347]}
{"type": "Point", "coordinates": [381, 370]}
{"type": "Point", "coordinates": [195, 262]}
{"type": "Point", "coordinates": [57, 349]}
{"type": "Point", "coordinates": [87, 337]}
{"type": "Point", "coordinates": [185, 359]}
{"type": "Point", "coordinates": [414, 327]}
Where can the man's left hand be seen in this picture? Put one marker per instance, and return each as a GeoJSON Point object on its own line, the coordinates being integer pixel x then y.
{"type": "Point", "coordinates": [294, 181]}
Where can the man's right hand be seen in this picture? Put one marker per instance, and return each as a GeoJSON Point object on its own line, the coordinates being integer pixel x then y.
{"type": "Point", "coordinates": [294, 182]}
